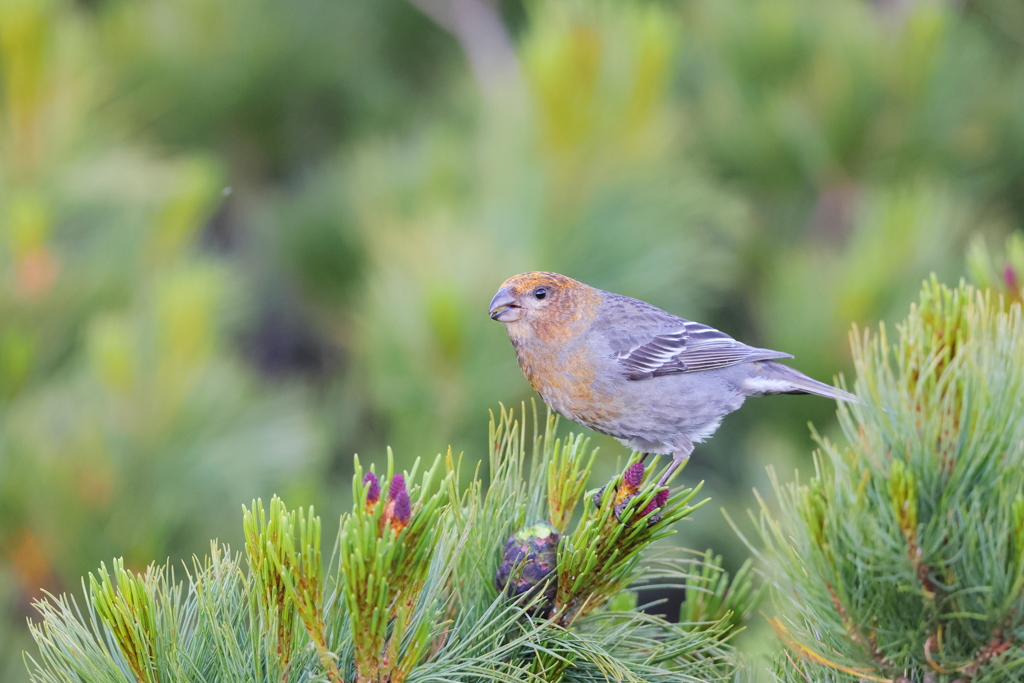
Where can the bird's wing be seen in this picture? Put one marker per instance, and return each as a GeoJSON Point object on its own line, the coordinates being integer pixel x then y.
{"type": "Point", "coordinates": [691, 347]}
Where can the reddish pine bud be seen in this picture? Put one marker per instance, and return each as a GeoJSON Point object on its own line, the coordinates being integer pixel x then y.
{"type": "Point", "coordinates": [397, 487]}
{"type": "Point", "coordinates": [633, 476]}
{"type": "Point", "coordinates": [1010, 275]}
{"type": "Point", "coordinates": [631, 480]}
{"type": "Point", "coordinates": [660, 498]}
{"type": "Point", "coordinates": [401, 511]}
{"type": "Point", "coordinates": [403, 507]}
{"type": "Point", "coordinates": [372, 488]}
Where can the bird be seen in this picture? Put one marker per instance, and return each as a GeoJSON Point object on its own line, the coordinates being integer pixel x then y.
{"type": "Point", "coordinates": [620, 366]}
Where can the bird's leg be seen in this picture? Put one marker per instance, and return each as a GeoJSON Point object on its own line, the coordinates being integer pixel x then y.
{"type": "Point", "coordinates": [643, 456]}
{"type": "Point", "coordinates": [678, 459]}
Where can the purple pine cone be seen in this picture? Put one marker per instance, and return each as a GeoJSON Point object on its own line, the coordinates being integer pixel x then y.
{"type": "Point", "coordinates": [372, 489]}
{"type": "Point", "coordinates": [633, 475]}
{"type": "Point", "coordinates": [397, 487]}
{"type": "Point", "coordinates": [399, 510]}
{"type": "Point", "coordinates": [631, 480]}
{"type": "Point", "coordinates": [528, 563]}
{"type": "Point", "coordinates": [659, 500]}
{"type": "Point", "coordinates": [403, 507]}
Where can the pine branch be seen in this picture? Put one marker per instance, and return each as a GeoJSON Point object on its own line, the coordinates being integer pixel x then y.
{"type": "Point", "coordinates": [568, 472]}
{"type": "Point", "coordinates": [712, 599]}
{"type": "Point", "coordinates": [386, 550]}
{"type": "Point", "coordinates": [602, 556]}
{"type": "Point", "coordinates": [277, 612]}
{"type": "Point", "coordinates": [903, 550]}
{"type": "Point", "coordinates": [408, 595]}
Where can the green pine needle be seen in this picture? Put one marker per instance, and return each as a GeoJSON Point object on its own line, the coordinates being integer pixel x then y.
{"type": "Point", "coordinates": [408, 595]}
{"type": "Point", "coordinates": [900, 558]}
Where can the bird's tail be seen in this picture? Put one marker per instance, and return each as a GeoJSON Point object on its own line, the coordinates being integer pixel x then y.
{"type": "Point", "coordinates": [776, 378]}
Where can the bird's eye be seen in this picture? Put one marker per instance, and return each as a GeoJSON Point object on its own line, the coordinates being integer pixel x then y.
{"type": "Point", "coordinates": [540, 292]}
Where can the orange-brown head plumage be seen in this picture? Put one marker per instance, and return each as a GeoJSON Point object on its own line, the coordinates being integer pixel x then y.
{"type": "Point", "coordinates": [544, 306]}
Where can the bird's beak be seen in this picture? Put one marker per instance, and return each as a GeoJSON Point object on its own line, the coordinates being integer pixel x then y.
{"type": "Point", "coordinates": [503, 307]}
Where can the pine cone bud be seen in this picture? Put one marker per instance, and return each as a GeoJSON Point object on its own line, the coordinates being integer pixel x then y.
{"type": "Point", "coordinates": [631, 480]}
{"type": "Point", "coordinates": [397, 486]}
{"type": "Point", "coordinates": [633, 476]}
{"type": "Point", "coordinates": [402, 511]}
{"type": "Point", "coordinates": [1010, 275]}
{"type": "Point", "coordinates": [528, 563]}
{"type": "Point", "coordinates": [659, 500]}
{"type": "Point", "coordinates": [372, 489]}
{"type": "Point", "coordinates": [399, 508]}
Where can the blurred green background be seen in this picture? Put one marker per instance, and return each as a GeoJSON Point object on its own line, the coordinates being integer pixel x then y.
{"type": "Point", "coordinates": [242, 239]}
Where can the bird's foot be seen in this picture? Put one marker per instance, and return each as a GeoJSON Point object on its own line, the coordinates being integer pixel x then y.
{"type": "Point", "coordinates": [629, 488]}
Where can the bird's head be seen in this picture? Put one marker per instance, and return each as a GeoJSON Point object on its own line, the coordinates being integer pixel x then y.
{"type": "Point", "coordinates": [542, 300]}
{"type": "Point", "coordinates": [529, 296]}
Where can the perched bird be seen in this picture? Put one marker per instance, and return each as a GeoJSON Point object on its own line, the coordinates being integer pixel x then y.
{"type": "Point", "coordinates": [620, 366]}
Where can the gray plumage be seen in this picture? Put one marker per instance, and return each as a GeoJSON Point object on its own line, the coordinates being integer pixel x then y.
{"type": "Point", "coordinates": [682, 377]}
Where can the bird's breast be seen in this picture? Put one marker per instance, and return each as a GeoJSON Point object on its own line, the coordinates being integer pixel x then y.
{"type": "Point", "coordinates": [568, 382]}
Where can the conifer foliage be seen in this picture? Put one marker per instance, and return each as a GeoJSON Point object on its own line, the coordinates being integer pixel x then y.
{"type": "Point", "coordinates": [903, 556]}
{"type": "Point", "coordinates": [415, 588]}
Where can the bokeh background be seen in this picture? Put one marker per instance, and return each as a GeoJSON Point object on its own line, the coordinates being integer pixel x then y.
{"type": "Point", "coordinates": [241, 240]}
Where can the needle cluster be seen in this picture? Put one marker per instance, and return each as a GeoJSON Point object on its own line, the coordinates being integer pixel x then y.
{"type": "Point", "coordinates": [408, 595]}
{"type": "Point", "coordinates": [902, 558]}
